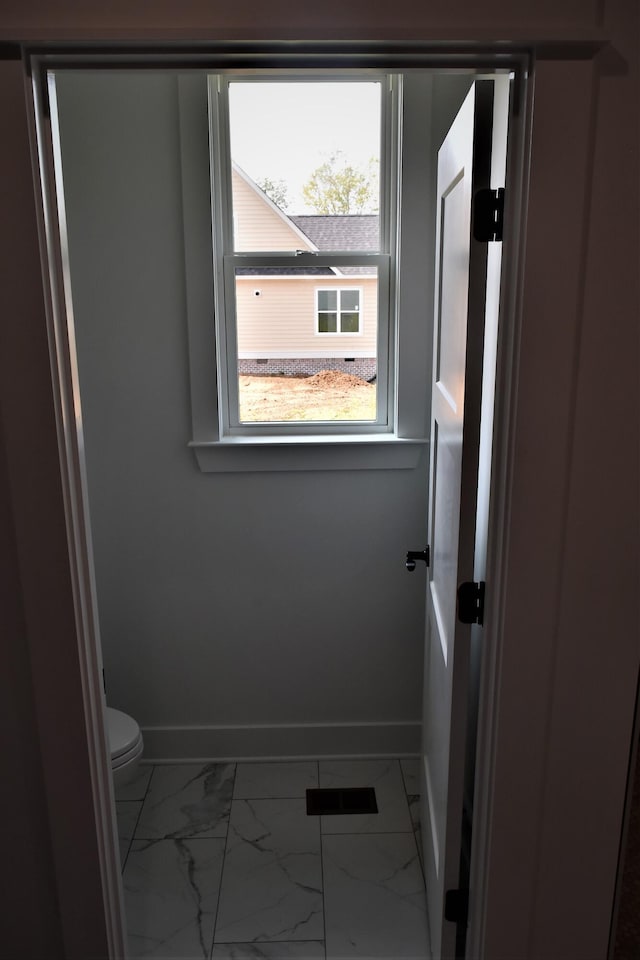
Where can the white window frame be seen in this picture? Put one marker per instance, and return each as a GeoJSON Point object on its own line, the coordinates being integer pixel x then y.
{"type": "Point", "coordinates": [227, 260]}
{"type": "Point", "coordinates": [403, 444]}
{"type": "Point", "coordinates": [339, 311]}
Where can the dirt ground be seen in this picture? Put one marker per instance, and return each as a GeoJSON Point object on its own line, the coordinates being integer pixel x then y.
{"type": "Point", "coordinates": [328, 395]}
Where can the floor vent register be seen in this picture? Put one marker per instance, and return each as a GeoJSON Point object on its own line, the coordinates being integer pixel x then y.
{"type": "Point", "coordinates": [344, 800]}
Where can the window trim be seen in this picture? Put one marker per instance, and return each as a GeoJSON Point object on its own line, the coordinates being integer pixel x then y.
{"type": "Point", "coordinates": [402, 448]}
{"type": "Point", "coordinates": [226, 259]}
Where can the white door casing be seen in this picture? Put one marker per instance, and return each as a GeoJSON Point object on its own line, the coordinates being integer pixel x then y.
{"type": "Point", "coordinates": [461, 266]}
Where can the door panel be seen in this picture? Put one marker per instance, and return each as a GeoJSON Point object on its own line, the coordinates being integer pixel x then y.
{"type": "Point", "coordinates": [446, 504]}
{"type": "Point", "coordinates": [463, 167]}
{"type": "Point", "coordinates": [452, 301]}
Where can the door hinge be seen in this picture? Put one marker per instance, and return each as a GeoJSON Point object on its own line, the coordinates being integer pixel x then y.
{"type": "Point", "coordinates": [456, 906]}
{"type": "Point", "coordinates": [471, 602]}
{"type": "Point", "coordinates": [44, 95]}
{"type": "Point", "coordinates": [488, 215]}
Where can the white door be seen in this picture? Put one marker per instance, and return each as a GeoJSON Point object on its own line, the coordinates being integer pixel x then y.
{"type": "Point", "coordinates": [464, 166]}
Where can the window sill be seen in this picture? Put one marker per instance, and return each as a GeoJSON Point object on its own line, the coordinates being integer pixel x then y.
{"type": "Point", "coordinates": [348, 452]}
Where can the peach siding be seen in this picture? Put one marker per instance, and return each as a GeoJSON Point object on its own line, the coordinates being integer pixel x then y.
{"type": "Point", "coordinates": [257, 225]}
{"type": "Point", "coordinates": [281, 322]}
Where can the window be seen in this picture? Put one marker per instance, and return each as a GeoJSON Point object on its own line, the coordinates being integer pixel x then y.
{"type": "Point", "coordinates": [338, 311]}
{"type": "Point", "coordinates": [303, 173]}
{"type": "Point", "coordinates": [255, 289]}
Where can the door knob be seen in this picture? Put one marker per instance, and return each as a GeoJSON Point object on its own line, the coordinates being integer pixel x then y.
{"type": "Point", "coordinates": [413, 555]}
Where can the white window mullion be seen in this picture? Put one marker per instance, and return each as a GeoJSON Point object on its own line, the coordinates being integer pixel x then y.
{"type": "Point", "coordinates": [231, 345]}
{"type": "Point", "coordinates": [222, 237]}
{"type": "Point", "coordinates": [390, 188]}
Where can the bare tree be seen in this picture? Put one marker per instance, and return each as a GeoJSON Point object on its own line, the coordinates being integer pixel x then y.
{"type": "Point", "coordinates": [276, 190]}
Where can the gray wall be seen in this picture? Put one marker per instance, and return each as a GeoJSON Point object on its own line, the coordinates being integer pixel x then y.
{"type": "Point", "coordinates": [266, 598]}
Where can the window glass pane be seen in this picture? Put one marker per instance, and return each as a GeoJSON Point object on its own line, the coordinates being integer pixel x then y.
{"type": "Point", "coordinates": [327, 322]}
{"type": "Point", "coordinates": [296, 363]}
{"type": "Point", "coordinates": [305, 165]}
{"type": "Point", "coordinates": [349, 322]}
{"type": "Point", "coordinates": [327, 299]}
{"type": "Point", "coordinates": [350, 300]}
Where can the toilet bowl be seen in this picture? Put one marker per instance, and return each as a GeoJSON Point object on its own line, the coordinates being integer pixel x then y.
{"type": "Point", "coordinates": [125, 744]}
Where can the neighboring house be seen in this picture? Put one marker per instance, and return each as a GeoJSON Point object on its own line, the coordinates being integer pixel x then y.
{"type": "Point", "coordinates": [300, 320]}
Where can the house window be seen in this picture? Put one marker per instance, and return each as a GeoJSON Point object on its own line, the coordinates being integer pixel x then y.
{"type": "Point", "coordinates": [303, 172]}
{"type": "Point", "coordinates": [338, 311]}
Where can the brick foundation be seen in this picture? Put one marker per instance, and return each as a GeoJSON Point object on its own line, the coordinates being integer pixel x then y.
{"type": "Point", "coordinates": [365, 367]}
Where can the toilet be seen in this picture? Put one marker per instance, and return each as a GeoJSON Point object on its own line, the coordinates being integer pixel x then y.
{"type": "Point", "coordinates": [125, 744]}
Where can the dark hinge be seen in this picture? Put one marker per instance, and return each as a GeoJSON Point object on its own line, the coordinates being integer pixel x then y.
{"type": "Point", "coordinates": [456, 906]}
{"type": "Point", "coordinates": [471, 602]}
{"type": "Point", "coordinates": [488, 215]}
{"type": "Point", "coordinates": [44, 93]}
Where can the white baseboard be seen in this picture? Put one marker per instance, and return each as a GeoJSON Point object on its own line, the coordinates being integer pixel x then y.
{"type": "Point", "coordinates": [281, 741]}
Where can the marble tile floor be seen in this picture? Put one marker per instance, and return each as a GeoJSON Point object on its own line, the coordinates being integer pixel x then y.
{"type": "Point", "coordinates": [221, 861]}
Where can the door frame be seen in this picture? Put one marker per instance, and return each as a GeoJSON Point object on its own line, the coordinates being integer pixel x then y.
{"type": "Point", "coordinates": [502, 453]}
{"type": "Point", "coordinates": [475, 136]}
{"type": "Point", "coordinates": [487, 868]}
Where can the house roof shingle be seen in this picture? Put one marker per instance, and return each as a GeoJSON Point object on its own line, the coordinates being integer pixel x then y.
{"type": "Point", "coordinates": [352, 231]}
{"type": "Point", "coordinates": [356, 231]}
{"type": "Point", "coordinates": [284, 272]}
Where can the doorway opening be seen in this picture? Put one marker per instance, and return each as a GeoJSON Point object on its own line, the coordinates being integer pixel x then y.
{"type": "Point", "coordinates": [212, 630]}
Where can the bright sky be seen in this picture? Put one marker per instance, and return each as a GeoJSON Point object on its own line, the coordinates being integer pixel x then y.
{"type": "Point", "coordinates": [285, 130]}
